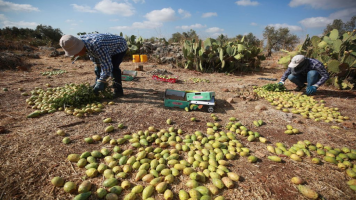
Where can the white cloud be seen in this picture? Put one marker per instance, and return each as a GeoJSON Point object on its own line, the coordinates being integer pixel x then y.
{"type": "Point", "coordinates": [323, 4]}
{"type": "Point", "coordinates": [112, 8]}
{"type": "Point", "coordinates": [8, 6]}
{"type": "Point", "coordinates": [318, 22]}
{"type": "Point", "coordinates": [209, 14]}
{"type": "Point", "coordinates": [83, 8]}
{"type": "Point", "coordinates": [194, 26]}
{"type": "Point", "coordinates": [20, 24]}
{"type": "Point", "coordinates": [139, 25]}
{"type": "Point", "coordinates": [107, 7]}
{"type": "Point", "coordinates": [290, 27]}
{"type": "Point", "coordinates": [344, 15]}
{"type": "Point", "coordinates": [114, 20]}
{"type": "Point", "coordinates": [184, 13]}
{"type": "Point", "coordinates": [155, 20]}
{"type": "Point", "coordinates": [247, 3]}
{"type": "Point", "coordinates": [214, 30]}
{"type": "Point", "coordinates": [4, 22]}
{"type": "Point", "coordinates": [164, 15]}
{"type": "Point", "coordinates": [253, 24]}
{"type": "Point", "coordinates": [147, 25]}
{"type": "Point", "coordinates": [138, 1]}
{"type": "Point", "coordinates": [70, 20]}
{"type": "Point", "coordinates": [315, 22]}
{"type": "Point", "coordinates": [2, 17]}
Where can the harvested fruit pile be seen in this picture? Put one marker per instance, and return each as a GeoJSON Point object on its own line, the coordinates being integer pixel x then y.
{"type": "Point", "coordinates": [198, 80]}
{"type": "Point", "coordinates": [155, 159]}
{"type": "Point", "coordinates": [304, 105]}
{"type": "Point", "coordinates": [343, 157]}
{"type": "Point", "coordinates": [54, 72]}
{"type": "Point", "coordinates": [164, 78]}
{"type": "Point", "coordinates": [152, 161]}
{"type": "Point", "coordinates": [78, 100]}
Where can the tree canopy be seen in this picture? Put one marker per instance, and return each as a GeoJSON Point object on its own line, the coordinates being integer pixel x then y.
{"type": "Point", "coordinates": [42, 32]}
{"type": "Point", "coordinates": [251, 39]}
{"type": "Point", "coordinates": [341, 26]}
{"type": "Point", "coordinates": [189, 35]}
{"type": "Point", "coordinates": [278, 39]}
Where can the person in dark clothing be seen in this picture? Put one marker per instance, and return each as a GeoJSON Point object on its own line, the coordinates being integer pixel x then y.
{"type": "Point", "coordinates": [303, 70]}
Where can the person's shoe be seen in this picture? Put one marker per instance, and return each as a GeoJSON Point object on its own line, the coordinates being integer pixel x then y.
{"type": "Point", "coordinates": [117, 95]}
{"type": "Point", "coordinates": [299, 88]}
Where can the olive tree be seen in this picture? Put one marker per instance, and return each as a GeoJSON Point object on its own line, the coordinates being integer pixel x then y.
{"type": "Point", "coordinates": [189, 35]}
{"type": "Point", "coordinates": [341, 26]}
{"type": "Point", "coordinates": [278, 39]}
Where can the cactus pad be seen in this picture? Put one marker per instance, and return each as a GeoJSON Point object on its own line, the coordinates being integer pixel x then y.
{"type": "Point", "coordinates": [336, 45]}
{"type": "Point", "coordinates": [284, 60]}
{"type": "Point", "coordinates": [334, 34]}
{"type": "Point", "coordinates": [315, 41]}
{"type": "Point", "coordinates": [241, 48]}
{"type": "Point", "coordinates": [333, 66]}
{"type": "Point", "coordinates": [322, 44]}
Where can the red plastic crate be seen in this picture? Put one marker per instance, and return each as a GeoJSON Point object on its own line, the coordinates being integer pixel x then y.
{"type": "Point", "coordinates": [171, 80]}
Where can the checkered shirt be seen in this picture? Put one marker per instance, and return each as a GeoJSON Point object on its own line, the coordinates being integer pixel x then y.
{"type": "Point", "coordinates": [314, 65]}
{"type": "Point", "coordinates": [101, 47]}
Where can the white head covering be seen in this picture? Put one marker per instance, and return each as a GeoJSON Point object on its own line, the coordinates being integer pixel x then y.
{"type": "Point", "coordinates": [296, 60]}
{"type": "Point", "coordinates": [71, 45]}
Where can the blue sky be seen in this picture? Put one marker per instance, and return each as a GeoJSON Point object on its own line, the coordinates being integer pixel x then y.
{"type": "Point", "coordinates": [162, 18]}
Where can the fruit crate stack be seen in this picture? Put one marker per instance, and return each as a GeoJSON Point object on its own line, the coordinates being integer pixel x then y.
{"type": "Point", "coordinates": [190, 100]}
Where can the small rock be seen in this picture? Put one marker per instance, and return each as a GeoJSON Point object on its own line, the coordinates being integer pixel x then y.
{"type": "Point", "coordinates": [260, 154]}
{"type": "Point", "coordinates": [298, 121]}
{"type": "Point", "coordinates": [230, 100]}
{"type": "Point", "coordinates": [349, 124]}
{"type": "Point", "coordinates": [260, 107]}
{"type": "Point", "coordinates": [226, 90]}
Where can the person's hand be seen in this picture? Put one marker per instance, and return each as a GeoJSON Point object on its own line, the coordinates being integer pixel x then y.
{"type": "Point", "coordinates": [281, 83]}
{"type": "Point", "coordinates": [311, 90]}
{"type": "Point", "coordinates": [99, 86]}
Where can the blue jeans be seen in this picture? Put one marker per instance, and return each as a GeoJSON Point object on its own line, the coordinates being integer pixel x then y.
{"type": "Point", "coordinates": [311, 78]}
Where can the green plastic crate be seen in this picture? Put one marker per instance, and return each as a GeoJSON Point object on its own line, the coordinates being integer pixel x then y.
{"type": "Point", "coordinates": [199, 96]}
{"type": "Point", "coordinates": [128, 75]}
{"type": "Point", "coordinates": [172, 102]}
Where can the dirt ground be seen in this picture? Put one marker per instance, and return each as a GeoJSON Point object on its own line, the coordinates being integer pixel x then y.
{"type": "Point", "coordinates": [32, 153]}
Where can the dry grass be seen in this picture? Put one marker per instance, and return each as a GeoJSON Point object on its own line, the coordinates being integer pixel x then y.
{"type": "Point", "coordinates": [31, 153]}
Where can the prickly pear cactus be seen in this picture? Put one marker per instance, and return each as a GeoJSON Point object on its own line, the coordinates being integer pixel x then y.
{"type": "Point", "coordinates": [334, 34]}
{"type": "Point", "coordinates": [284, 60]}
{"type": "Point", "coordinates": [337, 52]}
{"type": "Point", "coordinates": [333, 66]}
